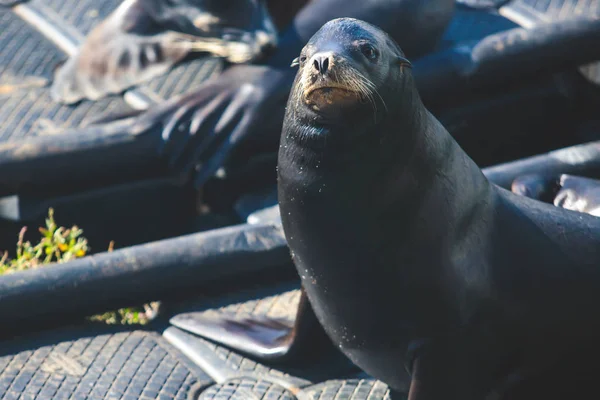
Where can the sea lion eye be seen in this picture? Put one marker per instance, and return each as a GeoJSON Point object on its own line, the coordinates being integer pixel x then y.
{"type": "Point", "coordinates": [369, 51]}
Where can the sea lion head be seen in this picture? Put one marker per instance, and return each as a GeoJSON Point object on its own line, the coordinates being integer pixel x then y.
{"type": "Point", "coordinates": [347, 70]}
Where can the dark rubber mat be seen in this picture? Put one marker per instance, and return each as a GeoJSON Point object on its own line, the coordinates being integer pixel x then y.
{"type": "Point", "coordinates": [100, 363]}
{"type": "Point", "coordinates": [82, 14]}
{"type": "Point", "coordinates": [248, 380]}
{"type": "Point", "coordinates": [352, 389]}
{"type": "Point", "coordinates": [244, 389]}
{"type": "Point", "coordinates": [239, 362]}
{"type": "Point", "coordinates": [28, 60]}
{"type": "Point", "coordinates": [90, 365]}
{"type": "Point", "coordinates": [281, 306]}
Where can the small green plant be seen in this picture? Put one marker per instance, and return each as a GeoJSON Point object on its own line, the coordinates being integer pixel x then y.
{"type": "Point", "coordinates": [129, 316]}
{"type": "Point", "coordinates": [59, 245]}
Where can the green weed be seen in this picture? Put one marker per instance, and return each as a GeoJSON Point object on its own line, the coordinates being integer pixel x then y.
{"type": "Point", "coordinates": [60, 245]}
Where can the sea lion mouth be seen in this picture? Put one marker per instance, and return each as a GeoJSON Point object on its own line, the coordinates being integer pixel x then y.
{"type": "Point", "coordinates": [327, 96]}
{"type": "Point", "coordinates": [327, 87]}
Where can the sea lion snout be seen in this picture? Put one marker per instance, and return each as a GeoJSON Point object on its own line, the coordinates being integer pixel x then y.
{"type": "Point", "coordinates": [329, 82]}
{"type": "Point", "coordinates": [321, 62]}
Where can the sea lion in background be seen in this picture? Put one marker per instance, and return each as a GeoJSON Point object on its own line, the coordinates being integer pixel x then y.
{"type": "Point", "coordinates": [567, 191]}
{"type": "Point", "coordinates": [143, 39]}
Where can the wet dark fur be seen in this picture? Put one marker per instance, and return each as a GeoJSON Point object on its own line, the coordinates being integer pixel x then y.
{"type": "Point", "coordinates": [402, 243]}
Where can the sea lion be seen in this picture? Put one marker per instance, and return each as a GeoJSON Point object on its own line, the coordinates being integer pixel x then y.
{"type": "Point", "coordinates": [575, 193]}
{"type": "Point", "coordinates": [408, 255]}
{"type": "Point", "coordinates": [143, 39]}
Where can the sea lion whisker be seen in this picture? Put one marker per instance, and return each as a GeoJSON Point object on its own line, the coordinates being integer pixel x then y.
{"type": "Point", "coordinates": [299, 91]}
{"type": "Point", "coordinates": [366, 88]}
{"type": "Point", "coordinates": [368, 93]}
{"type": "Point", "coordinates": [373, 90]}
{"type": "Point", "coordinates": [382, 101]}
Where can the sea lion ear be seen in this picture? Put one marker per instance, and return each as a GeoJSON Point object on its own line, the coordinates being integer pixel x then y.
{"type": "Point", "coordinates": [295, 62]}
{"type": "Point", "coordinates": [404, 62]}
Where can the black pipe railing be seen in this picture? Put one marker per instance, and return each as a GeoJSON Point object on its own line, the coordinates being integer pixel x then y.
{"type": "Point", "coordinates": [138, 274]}
{"type": "Point", "coordinates": [583, 159]}
{"type": "Point", "coordinates": [447, 77]}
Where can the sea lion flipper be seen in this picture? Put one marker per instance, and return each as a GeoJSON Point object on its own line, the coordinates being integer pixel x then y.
{"type": "Point", "coordinates": [259, 337]}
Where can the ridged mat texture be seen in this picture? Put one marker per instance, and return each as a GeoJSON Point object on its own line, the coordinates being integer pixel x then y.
{"type": "Point", "coordinates": [245, 389]}
{"type": "Point", "coordinates": [111, 364]}
{"type": "Point", "coordinates": [241, 363]}
{"type": "Point", "coordinates": [352, 389]}
{"type": "Point", "coordinates": [90, 365]}
{"type": "Point", "coordinates": [27, 62]}
{"type": "Point", "coordinates": [280, 306]}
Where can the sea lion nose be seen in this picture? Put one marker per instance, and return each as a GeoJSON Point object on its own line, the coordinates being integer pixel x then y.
{"type": "Point", "coordinates": [322, 62]}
